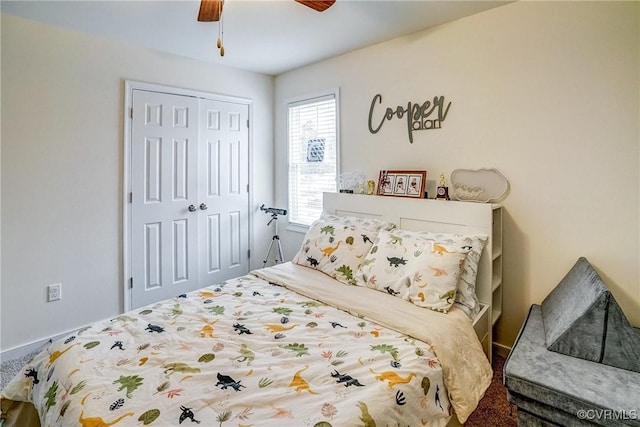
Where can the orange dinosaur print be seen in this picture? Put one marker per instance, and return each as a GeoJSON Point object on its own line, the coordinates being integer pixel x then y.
{"type": "Point", "coordinates": [391, 377]}
{"type": "Point", "coordinates": [437, 272]}
{"type": "Point", "coordinates": [206, 331]}
{"type": "Point", "coordinates": [330, 249]}
{"type": "Point", "coordinates": [56, 354]}
{"type": "Point", "coordinates": [207, 294]}
{"type": "Point", "coordinates": [439, 249]}
{"type": "Point", "coordinates": [275, 327]}
{"type": "Point", "coordinates": [99, 422]}
{"type": "Point", "coordinates": [300, 383]}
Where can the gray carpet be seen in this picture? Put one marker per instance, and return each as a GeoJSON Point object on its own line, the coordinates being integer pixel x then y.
{"type": "Point", "coordinates": [10, 368]}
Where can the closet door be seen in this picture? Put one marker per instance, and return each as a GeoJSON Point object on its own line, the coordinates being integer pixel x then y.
{"type": "Point", "coordinates": [164, 199]}
{"type": "Point", "coordinates": [224, 160]}
{"type": "Point", "coordinates": [189, 194]}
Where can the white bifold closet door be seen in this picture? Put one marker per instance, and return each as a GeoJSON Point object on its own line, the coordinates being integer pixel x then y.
{"type": "Point", "coordinates": [190, 200]}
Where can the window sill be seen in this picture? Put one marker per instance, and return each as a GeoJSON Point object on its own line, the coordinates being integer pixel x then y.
{"type": "Point", "coordinates": [297, 228]}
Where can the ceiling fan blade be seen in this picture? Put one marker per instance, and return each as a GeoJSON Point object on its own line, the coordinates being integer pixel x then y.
{"type": "Point", "coordinates": [210, 10]}
{"type": "Point", "coordinates": [319, 5]}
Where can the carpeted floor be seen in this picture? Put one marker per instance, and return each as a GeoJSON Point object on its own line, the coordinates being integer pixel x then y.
{"type": "Point", "coordinates": [494, 409]}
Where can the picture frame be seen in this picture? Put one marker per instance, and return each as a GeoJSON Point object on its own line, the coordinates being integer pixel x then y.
{"type": "Point", "coordinates": [402, 183]}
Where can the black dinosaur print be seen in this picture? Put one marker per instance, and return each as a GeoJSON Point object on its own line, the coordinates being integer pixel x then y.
{"type": "Point", "coordinates": [154, 328]}
{"type": "Point", "coordinates": [33, 374]}
{"type": "Point", "coordinates": [187, 413]}
{"type": "Point", "coordinates": [117, 344]}
{"type": "Point", "coordinates": [391, 291]}
{"type": "Point", "coordinates": [347, 380]}
{"type": "Point", "coordinates": [241, 329]}
{"type": "Point", "coordinates": [312, 261]}
{"type": "Point", "coordinates": [396, 262]}
{"type": "Point", "coordinates": [226, 381]}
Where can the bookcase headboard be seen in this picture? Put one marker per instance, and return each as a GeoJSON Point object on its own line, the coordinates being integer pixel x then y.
{"type": "Point", "coordinates": [437, 216]}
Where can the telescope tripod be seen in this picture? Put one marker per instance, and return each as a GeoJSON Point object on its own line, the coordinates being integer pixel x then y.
{"type": "Point", "coordinates": [274, 240]}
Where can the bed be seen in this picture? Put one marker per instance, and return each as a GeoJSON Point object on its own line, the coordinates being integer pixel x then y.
{"type": "Point", "coordinates": [318, 341]}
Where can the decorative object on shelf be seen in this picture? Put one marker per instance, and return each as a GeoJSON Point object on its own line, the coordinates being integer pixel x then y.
{"type": "Point", "coordinates": [352, 182]}
{"type": "Point", "coordinates": [442, 192]}
{"type": "Point", "coordinates": [479, 185]}
{"type": "Point", "coordinates": [371, 187]}
{"type": "Point", "coordinates": [402, 183]}
{"type": "Point", "coordinates": [418, 116]}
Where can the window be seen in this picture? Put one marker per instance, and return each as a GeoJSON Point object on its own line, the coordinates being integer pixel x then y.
{"type": "Point", "coordinates": [313, 155]}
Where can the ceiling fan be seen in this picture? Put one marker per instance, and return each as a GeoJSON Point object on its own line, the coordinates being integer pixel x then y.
{"type": "Point", "coordinates": [211, 11]}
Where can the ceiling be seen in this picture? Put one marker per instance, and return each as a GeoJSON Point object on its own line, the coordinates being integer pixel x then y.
{"type": "Point", "coordinates": [265, 36]}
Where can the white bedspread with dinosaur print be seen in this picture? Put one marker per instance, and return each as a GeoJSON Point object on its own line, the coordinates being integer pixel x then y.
{"type": "Point", "coordinates": [242, 353]}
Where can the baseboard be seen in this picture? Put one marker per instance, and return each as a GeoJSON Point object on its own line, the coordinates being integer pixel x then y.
{"type": "Point", "coordinates": [23, 350]}
{"type": "Point", "coordinates": [500, 349]}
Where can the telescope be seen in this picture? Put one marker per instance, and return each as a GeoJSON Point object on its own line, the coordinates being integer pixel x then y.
{"type": "Point", "coordinates": [273, 211]}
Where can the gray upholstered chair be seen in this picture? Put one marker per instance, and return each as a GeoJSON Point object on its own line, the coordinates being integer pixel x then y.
{"type": "Point", "coordinates": [576, 361]}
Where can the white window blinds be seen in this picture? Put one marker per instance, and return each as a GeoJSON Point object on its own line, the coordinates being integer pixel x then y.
{"type": "Point", "coordinates": [313, 156]}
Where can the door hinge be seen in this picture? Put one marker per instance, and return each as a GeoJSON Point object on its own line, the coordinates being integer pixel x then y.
{"type": "Point", "coordinates": [130, 282]}
{"type": "Point", "coordinates": [130, 197]}
{"type": "Point", "coordinates": [249, 253]}
{"type": "Point", "coordinates": [247, 188]}
{"type": "Point", "coordinates": [131, 112]}
{"type": "Point", "coordinates": [247, 122]}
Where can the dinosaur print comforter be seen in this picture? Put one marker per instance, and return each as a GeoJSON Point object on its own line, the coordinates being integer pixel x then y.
{"type": "Point", "coordinates": [242, 353]}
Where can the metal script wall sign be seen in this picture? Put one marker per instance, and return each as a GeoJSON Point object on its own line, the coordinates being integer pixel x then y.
{"type": "Point", "coordinates": [418, 116]}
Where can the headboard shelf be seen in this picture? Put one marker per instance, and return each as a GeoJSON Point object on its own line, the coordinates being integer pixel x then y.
{"type": "Point", "coordinates": [447, 217]}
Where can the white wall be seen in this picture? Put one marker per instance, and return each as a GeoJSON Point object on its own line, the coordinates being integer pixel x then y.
{"type": "Point", "coordinates": [547, 93]}
{"type": "Point", "coordinates": [62, 168]}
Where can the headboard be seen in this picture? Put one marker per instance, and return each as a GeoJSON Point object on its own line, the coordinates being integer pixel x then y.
{"type": "Point", "coordinates": [437, 216]}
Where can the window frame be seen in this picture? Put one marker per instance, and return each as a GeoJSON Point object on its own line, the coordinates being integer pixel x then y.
{"type": "Point", "coordinates": [298, 100]}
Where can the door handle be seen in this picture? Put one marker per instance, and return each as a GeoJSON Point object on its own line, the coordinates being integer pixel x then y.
{"type": "Point", "coordinates": [203, 206]}
{"type": "Point", "coordinates": [192, 208]}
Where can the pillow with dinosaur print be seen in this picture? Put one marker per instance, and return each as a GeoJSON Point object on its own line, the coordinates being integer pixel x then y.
{"type": "Point", "coordinates": [413, 267]}
{"type": "Point", "coordinates": [466, 297]}
{"type": "Point", "coordinates": [337, 245]}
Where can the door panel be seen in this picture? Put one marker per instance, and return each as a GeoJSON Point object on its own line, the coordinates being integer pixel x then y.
{"type": "Point", "coordinates": [225, 158]}
{"type": "Point", "coordinates": [164, 248]}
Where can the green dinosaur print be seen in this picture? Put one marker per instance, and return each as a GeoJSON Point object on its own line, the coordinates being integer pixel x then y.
{"type": "Point", "coordinates": [386, 348]}
{"type": "Point", "coordinates": [299, 349]}
{"type": "Point", "coordinates": [246, 355]}
{"type": "Point", "coordinates": [349, 240]}
{"type": "Point", "coordinates": [218, 309]}
{"type": "Point", "coordinates": [367, 420]}
{"type": "Point", "coordinates": [283, 310]}
{"type": "Point", "coordinates": [328, 229]}
{"type": "Point", "coordinates": [449, 296]}
{"type": "Point", "coordinates": [180, 367]}
{"type": "Point", "coordinates": [131, 383]}
{"type": "Point", "coordinates": [307, 304]}
{"type": "Point", "coordinates": [348, 273]}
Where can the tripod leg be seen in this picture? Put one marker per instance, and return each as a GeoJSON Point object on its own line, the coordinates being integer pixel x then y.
{"type": "Point", "coordinates": [280, 250]}
{"type": "Point", "coordinates": [266, 257]}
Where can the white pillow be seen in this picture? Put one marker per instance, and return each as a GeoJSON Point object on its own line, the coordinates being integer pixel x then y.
{"type": "Point", "coordinates": [466, 297]}
{"type": "Point", "coordinates": [413, 267]}
{"type": "Point", "coordinates": [337, 245]}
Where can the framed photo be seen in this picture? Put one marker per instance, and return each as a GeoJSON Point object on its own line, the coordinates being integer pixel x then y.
{"type": "Point", "coordinates": [402, 183]}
